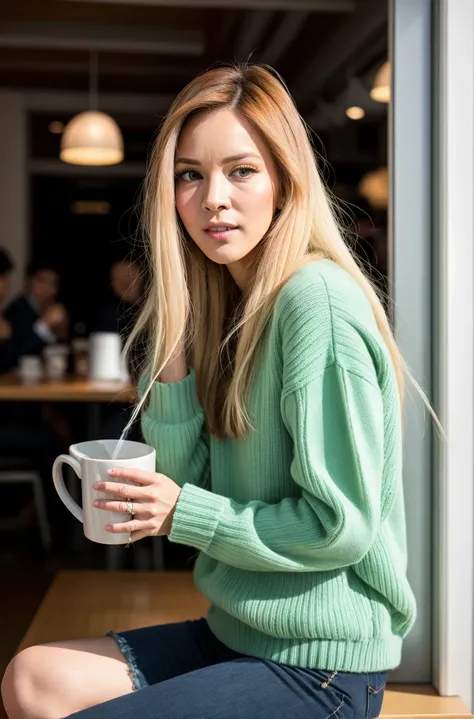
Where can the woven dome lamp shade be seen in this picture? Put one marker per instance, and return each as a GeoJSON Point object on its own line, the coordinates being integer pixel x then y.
{"type": "Point", "coordinates": [92, 138]}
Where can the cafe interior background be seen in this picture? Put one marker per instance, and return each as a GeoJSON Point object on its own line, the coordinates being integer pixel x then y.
{"type": "Point", "coordinates": [59, 58]}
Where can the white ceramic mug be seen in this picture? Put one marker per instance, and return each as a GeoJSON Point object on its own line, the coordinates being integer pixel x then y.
{"type": "Point", "coordinates": [105, 360]}
{"type": "Point", "coordinates": [90, 461]}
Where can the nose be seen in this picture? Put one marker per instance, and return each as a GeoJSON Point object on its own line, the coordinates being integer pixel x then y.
{"type": "Point", "coordinates": [216, 196]}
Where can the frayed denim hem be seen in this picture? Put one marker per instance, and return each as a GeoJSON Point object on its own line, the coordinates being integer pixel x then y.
{"type": "Point", "coordinates": [136, 674]}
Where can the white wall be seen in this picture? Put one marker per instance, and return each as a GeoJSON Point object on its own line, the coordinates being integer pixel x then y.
{"type": "Point", "coordinates": [454, 349]}
{"type": "Point", "coordinates": [14, 206]}
{"type": "Point", "coordinates": [411, 240]}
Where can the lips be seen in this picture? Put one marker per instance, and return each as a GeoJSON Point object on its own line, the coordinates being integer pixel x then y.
{"type": "Point", "coordinates": [221, 232]}
{"type": "Point", "coordinates": [220, 228]}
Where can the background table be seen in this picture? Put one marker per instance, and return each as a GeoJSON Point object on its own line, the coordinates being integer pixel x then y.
{"type": "Point", "coordinates": [71, 389]}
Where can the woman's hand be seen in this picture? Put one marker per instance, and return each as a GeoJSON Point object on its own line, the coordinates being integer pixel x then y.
{"type": "Point", "coordinates": [177, 367]}
{"type": "Point", "coordinates": [153, 496]}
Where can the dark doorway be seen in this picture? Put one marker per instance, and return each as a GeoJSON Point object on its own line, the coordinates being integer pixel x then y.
{"type": "Point", "coordinates": [81, 225]}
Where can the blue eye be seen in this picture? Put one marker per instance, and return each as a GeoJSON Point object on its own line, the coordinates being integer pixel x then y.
{"type": "Point", "coordinates": [242, 173]}
{"type": "Point", "coordinates": [249, 171]}
{"type": "Point", "coordinates": [191, 173]}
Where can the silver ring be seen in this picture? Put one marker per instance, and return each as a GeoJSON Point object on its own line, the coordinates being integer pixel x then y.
{"type": "Point", "coordinates": [129, 506]}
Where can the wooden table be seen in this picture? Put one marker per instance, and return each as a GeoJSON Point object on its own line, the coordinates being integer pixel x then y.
{"type": "Point", "coordinates": [71, 389]}
{"type": "Point", "coordinates": [89, 603]}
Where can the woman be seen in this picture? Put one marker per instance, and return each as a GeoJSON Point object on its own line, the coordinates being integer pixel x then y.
{"type": "Point", "coordinates": [272, 396]}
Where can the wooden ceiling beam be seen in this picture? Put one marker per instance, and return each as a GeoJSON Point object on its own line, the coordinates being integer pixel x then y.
{"type": "Point", "coordinates": [356, 33]}
{"type": "Point", "coordinates": [250, 34]}
{"type": "Point", "coordinates": [110, 38]}
{"type": "Point", "coordinates": [82, 68]}
{"type": "Point", "coordinates": [287, 31]}
{"type": "Point", "coordinates": [58, 101]}
{"type": "Point", "coordinates": [331, 6]}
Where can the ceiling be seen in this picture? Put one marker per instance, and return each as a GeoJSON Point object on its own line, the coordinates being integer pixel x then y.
{"type": "Point", "coordinates": [146, 47]}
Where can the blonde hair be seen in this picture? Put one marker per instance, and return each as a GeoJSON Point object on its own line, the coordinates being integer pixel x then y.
{"type": "Point", "coordinates": [190, 298]}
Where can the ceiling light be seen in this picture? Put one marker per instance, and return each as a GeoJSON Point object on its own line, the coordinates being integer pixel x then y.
{"type": "Point", "coordinates": [381, 89]}
{"type": "Point", "coordinates": [374, 187]}
{"type": "Point", "coordinates": [92, 137]}
{"type": "Point", "coordinates": [355, 112]}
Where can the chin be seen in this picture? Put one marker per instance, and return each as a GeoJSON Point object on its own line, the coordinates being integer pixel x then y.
{"type": "Point", "coordinates": [225, 255]}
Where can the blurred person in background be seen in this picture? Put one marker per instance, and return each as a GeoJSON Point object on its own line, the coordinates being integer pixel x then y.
{"type": "Point", "coordinates": [120, 308]}
{"type": "Point", "coordinates": [6, 346]}
{"type": "Point", "coordinates": [17, 335]}
{"type": "Point", "coordinates": [6, 269]}
{"type": "Point", "coordinates": [22, 431]}
{"type": "Point", "coordinates": [118, 314]}
{"type": "Point", "coordinates": [36, 318]}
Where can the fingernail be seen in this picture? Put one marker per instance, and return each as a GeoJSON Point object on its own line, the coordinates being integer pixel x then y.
{"type": "Point", "coordinates": [95, 502]}
{"type": "Point", "coordinates": [108, 527]}
{"type": "Point", "coordinates": [97, 485]}
{"type": "Point", "coordinates": [111, 471]}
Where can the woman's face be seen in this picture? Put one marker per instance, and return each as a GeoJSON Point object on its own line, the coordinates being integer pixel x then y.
{"type": "Point", "coordinates": [226, 187]}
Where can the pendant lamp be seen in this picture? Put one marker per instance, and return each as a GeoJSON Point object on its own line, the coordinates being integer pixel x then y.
{"type": "Point", "coordinates": [381, 89]}
{"type": "Point", "coordinates": [92, 137]}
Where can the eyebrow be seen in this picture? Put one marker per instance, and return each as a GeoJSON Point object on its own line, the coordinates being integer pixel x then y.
{"type": "Point", "coordinates": [232, 158]}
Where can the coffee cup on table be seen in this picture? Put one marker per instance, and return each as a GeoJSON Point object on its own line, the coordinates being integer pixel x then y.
{"type": "Point", "coordinates": [91, 461]}
{"type": "Point", "coordinates": [30, 369]}
{"type": "Point", "coordinates": [56, 358]}
{"type": "Point", "coordinates": [80, 347]}
{"type": "Point", "coordinates": [106, 362]}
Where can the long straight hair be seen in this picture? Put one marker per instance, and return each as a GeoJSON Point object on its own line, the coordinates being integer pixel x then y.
{"type": "Point", "coordinates": [192, 302]}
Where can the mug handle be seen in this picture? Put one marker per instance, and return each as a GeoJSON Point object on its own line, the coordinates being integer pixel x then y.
{"type": "Point", "coordinates": [58, 480]}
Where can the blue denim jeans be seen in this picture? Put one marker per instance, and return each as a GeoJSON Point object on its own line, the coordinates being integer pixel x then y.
{"type": "Point", "coordinates": [182, 671]}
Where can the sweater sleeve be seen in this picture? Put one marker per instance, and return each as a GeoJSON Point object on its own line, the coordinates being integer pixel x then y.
{"type": "Point", "coordinates": [336, 423]}
{"type": "Point", "coordinates": [174, 425]}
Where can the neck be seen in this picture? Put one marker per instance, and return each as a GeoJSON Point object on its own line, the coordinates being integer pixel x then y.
{"type": "Point", "coordinates": [240, 274]}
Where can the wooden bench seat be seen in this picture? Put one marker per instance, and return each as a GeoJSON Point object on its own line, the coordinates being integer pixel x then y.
{"type": "Point", "coordinates": [87, 604]}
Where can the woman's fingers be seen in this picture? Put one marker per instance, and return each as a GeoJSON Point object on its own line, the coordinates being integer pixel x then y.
{"type": "Point", "coordinates": [134, 475]}
{"type": "Point", "coordinates": [139, 508]}
{"type": "Point", "coordinates": [135, 525]}
{"type": "Point", "coordinates": [125, 491]}
{"type": "Point", "coordinates": [138, 528]}
{"type": "Point", "coordinates": [136, 536]}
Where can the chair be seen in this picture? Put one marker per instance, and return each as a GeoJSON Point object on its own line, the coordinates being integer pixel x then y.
{"type": "Point", "coordinates": [14, 470]}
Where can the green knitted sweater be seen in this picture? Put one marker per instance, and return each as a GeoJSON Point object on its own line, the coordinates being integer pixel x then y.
{"type": "Point", "coordinates": [300, 526]}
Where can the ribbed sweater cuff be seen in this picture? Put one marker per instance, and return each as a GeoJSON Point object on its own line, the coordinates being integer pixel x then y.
{"type": "Point", "coordinates": [174, 402]}
{"type": "Point", "coordinates": [196, 517]}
